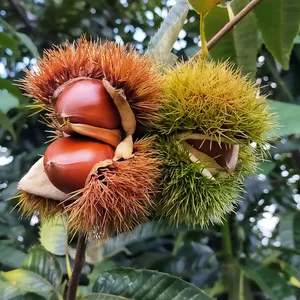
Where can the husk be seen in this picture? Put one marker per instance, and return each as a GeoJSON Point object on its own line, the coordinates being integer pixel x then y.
{"type": "Point", "coordinates": [109, 136]}
{"type": "Point", "coordinates": [121, 66]}
{"type": "Point", "coordinates": [192, 197]}
{"type": "Point", "coordinates": [36, 182]}
{"type": "Point", "coordinates": [46, 207]}
{"type": "Point", "coordinates": [118, 196]}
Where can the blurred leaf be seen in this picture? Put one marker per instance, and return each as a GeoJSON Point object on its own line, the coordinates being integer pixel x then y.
{"type": "Point", "coordinates": [289, 230]}
{"type": "Point", "coordinates": [239, 45]}
{"type": "Point", "coordinates": [11, 256]}
{"type": "Point", "coordinates": [41, 262]}
{"type": "Point", "coordinates": [6, 84]}
{"type": "Point", "coordinates": [288, 115]}
{"type": "Point", "coordinates": [278, 21]}
{"type": "Point", "coordinates": [8, 290]}
{"type": "Point", "coordinates": [53, 236]}
{"type": "Point", "coordinates": [140, 233]}
{"type": "Point", "coordinates": [297, 39]}
{"type": "Point", "coordinates": [7, 101]}
{"type": "Point", "coordinates": [146, 285]}
{"type": "Point", "coordinates": [6, 124]}
{"type": "Point", "coordinates": [23, 38]}
{"type": "Point", "coordinates": [28, 281]}
{"type": "Point", "coordinates": [28, 43]}
{"type": "Point", "coordinates": [7, 41]}
{"type": "Point", "coordinates": [204, 6]}
{"type": "Point", "coordinates": [268, 280]}
{"type": "Point", "coordinates": [265, 167]}
{"type": "Point", "coordinates": [162, 42]}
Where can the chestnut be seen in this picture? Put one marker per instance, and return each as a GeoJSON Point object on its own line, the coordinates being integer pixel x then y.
{"type": "Point", "coordinates": [69, 160]}
{"type": "Point", "coordinates": [225, 155]}
{"type": "Point", "coordinates": [87, 102]}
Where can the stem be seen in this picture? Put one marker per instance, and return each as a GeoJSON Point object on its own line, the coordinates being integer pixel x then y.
{"type": "Point", "coordinates": [226, 240]}
{"type": "Point", "coordinates": [229, 26]}
{"type": "Point", "coordinates": [204, 50]}
{"type": "Point", "coordinates": [78, 265]}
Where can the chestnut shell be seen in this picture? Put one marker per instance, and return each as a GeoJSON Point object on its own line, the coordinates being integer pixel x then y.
{"type": "Point", "coordinates": [68, 161]}
{"type": "Point", "coordinates": [87, 102]}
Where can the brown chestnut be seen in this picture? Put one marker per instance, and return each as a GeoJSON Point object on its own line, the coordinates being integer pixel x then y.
{"type": "Point", "coordinates": [224, 154]}
{"type": "Point", "coordinates": [69, 160]}
{"type": "Point", "coordinates": [87, 102]}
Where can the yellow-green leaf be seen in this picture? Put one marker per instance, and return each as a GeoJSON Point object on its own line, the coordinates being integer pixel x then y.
{"type": "Point", "coordinates": [28, 281]}
{"type": "Point", "coordinates": [203, 6]}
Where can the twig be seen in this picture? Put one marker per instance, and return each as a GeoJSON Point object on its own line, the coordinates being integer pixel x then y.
{"type": "Point", "coordinates": [229, 26]}
{"type": "Point", "coordinates": [78, 265]}
{"type": "Point", "coordinates": [22, 14]}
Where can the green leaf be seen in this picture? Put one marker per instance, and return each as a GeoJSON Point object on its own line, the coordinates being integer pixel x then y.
{"type": "Point", "coordinates": [7, 41]}
{"type": "Point", "coordinates": [11, 256]}
{"type": "Point", "coordinates": [278, 21]}
{"type": "Point", "coordinates": [268, 280]}
{"type": "Point", "coordinates": [146, 285]}
{"type": "Point", "coordinates": [28, 281]}
{"type": "Point", "coordinates": [8, 290]}
{"type": "Point", "coordinates": [53, 236]}
{"type": "Point", "coordinates": [162, 42]}
{"type": "Point", "coordinates": [288, 117]}
{"type": "Point", "coordinates": [140, 233]}
{"type": "Point", "coordinates": [41, 262]}
{"type": "Point", "coordinates": [289, 230]}
{"type": "Point", "coordinates": [239, 45]}
{"type": "Point", "coordinates": [297, 39]}
{"type": "Point", "coordinates": [6, 84]}
{"type": "Point", "coordinates": [101, 296]}
{"type": "Point", "coordinates": [7, 101]}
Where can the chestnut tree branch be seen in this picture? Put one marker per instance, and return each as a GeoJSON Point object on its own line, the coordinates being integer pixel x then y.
{"type": "Point", "coordinates": [78, 265]}
{"type": "Point", "coordinates": [229, 26]}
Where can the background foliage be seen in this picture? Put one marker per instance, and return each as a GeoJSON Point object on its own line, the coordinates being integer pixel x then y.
{"type": "Point", "coordinates": [256, 256]}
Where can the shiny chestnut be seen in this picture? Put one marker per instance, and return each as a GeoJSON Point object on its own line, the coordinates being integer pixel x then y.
{"type": "Point", "coordinates": [68, 161]}
{"type": "Point", "coordinates": [87, 102]}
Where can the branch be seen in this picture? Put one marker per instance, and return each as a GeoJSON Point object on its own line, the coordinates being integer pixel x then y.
{"type": "Point", "coordinates": [229, 26]}
{"type": "Point", "coordinates": [78, 265]}
{"type": "Point", "coordinates": [22, 14]}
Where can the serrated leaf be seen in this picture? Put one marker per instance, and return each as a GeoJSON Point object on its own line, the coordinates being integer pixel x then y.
{"type": "Point", "coordinates": [162, 42]}
{"type": "Point", "coordinates": [7, 41]}
{"type": "Point", "coordinates": [53, 236]}
{"type": "Point", "coordinates": [288, 117]}
{"type": "Point", "coordinates": [41, 262]}
{"type": "Point", "coordinates": [28, 281]}
{"type": "Point", "coordinates": [100, 296]}
{"type": "Point", "coordinates": [268, 280]}
{"type": "Point", "coordinates": [146, 285]}
{"type": "Point", "coordinates": [239, 45]}
{"type": "Point", "coordinates": [11, 256]}
{"type": "Point", "coordinates": [289, 230]}
{"type": "Point", "coordinates": [8, 290]}
{"type": "Point", "coordinates": [278, 21]}
{"type": "Point", "coordinates": [140, 233]}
